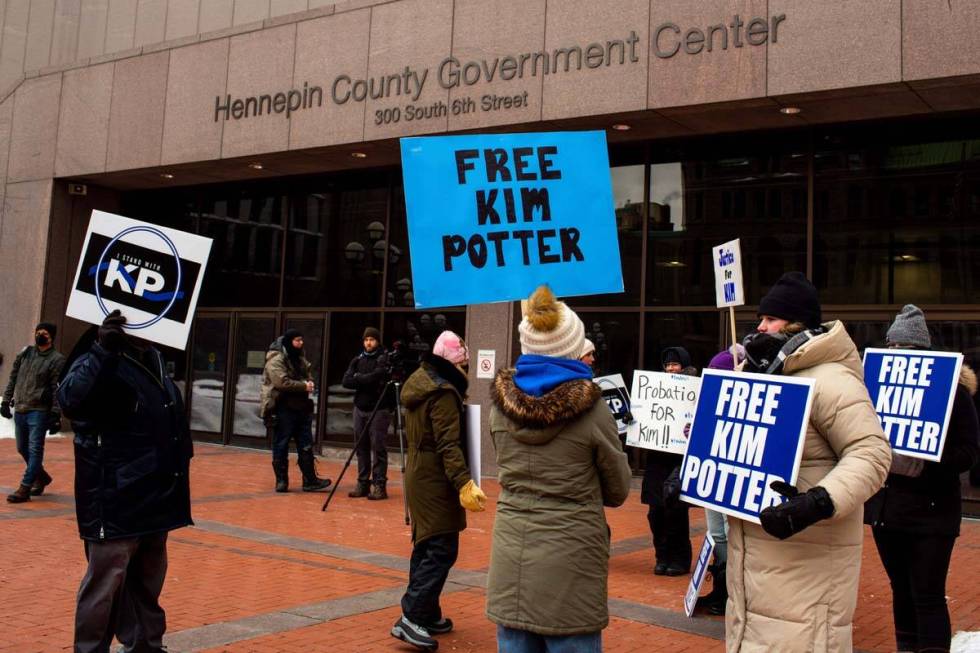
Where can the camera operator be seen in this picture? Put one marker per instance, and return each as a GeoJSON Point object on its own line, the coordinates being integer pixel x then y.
{"type": "Point", "coordinates": [368, 375]}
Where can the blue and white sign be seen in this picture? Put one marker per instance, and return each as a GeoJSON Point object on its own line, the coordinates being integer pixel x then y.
{"type": "Point", "coordinates": [616, 396]}
{"type": "Point", "coordinates": [697, 578]}
{"type": "Point", "coordinates": [152, 274]}
{"type": "Point", "coordinates": [913, 394]}
{"type": "Point", "coordinates": [748, 431]}
{"type": "Point", "coordinates": [493, 216]}
{"type": "Point", "coordinates": [728, 274]}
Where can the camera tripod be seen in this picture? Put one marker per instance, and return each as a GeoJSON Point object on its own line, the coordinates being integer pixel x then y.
{"type": "Point", "coordinates": [399, 429]}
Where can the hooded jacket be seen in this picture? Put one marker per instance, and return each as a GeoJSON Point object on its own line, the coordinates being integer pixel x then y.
{"type": "Point", "coordinates": [33, 380]}
{"type": "Point", "coordinates": [436, 467]}
{"type": "Point", "coordinates": [799, 594]}
{"type": "Point", "coordinates": [132, 444]}
{"type": "Point", "coordinates": [559, 461]}
{"type": "Point", "coordinates": [929, 504]}
{"type": "Point", "coordinates": [284, 378]}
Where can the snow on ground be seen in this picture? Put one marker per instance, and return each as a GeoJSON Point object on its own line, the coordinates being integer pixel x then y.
{"type": "Point", "coordinates": [965, 642]}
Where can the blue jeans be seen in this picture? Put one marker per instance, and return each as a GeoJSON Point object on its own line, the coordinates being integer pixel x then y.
{"type": "Point", "coordinates": [718, 527]}
{"type": "Point", "coordinates": [29, 430]}
{"type": "Point", "coordinates": [291, 425]}
{"type": "Point", "coordinates": [512, 640]}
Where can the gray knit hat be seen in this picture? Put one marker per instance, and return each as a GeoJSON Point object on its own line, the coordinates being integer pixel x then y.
{"type": "Point", "coordinates": [909, 328]}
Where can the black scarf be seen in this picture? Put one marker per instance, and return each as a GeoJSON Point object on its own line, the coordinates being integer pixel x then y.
{"type": "Point", "coordinates": [448, 372]}
{"type": "Point", "coordinates": [765, 353]}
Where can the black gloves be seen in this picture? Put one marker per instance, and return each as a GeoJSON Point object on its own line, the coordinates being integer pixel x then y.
{"type": "Point", "coordinates": [54, 423]}
{"type": "Point", "coordinates": [5, 410]}
{"type": "Point", "coordinates": [801, 511]}
{"type": "Point", "coordinates": [112, 338]}
{"type": "Point", "coordinates": [672, 488]}
{"type": "Point", "coordinates": [628, 417]}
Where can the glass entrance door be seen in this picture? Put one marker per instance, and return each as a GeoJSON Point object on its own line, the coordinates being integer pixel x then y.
{"type": "Point", "coordinates": [209, 367]}
{"type": "Point", "coordinates": [253, 335]}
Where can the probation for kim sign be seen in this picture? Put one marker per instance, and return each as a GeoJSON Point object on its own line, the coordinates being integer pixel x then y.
{"type": "Point", "coordinates": [492, 216]}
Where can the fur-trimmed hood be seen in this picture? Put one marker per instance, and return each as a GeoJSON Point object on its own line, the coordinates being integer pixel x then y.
{"type": "Point", "coordinates": [968, 378]}
{"type": "Point", "coordinates": [540, 419]}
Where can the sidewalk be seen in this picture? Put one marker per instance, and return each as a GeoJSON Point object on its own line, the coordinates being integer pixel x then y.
{"type": "Point", "coordinates": [267, 572]}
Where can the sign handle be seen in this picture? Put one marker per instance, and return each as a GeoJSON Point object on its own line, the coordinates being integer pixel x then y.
{"type": "Point", "coordinates": [731, 315]}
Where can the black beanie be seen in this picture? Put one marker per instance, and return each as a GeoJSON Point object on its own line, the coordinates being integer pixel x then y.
{"type": "Point", "coordinates": [289, 334]}
{"type": "Point", "coordinates": [371, 332]}
{"type": "Point", "coordinates": [793, 298]}
{"type": "Point", "coordinates": [676, 355]}
{"type": "Point", "coordinates": [49, 327]}
{"type": "Point", "coordinates": [287, 342]}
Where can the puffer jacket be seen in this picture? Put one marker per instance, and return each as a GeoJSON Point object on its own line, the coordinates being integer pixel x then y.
{"type": "Point", "coordinates": [281, 378]}
{"type": "Point", "coordinates": [560, 461]}
{"type": "Point", "coordinates": [799, 594]}
{"type": "Point", "coordinates": [34, 380]}
{"type": "Point", "coordinates": [436, 467]}
{"type": "Point", "coordinates": [929, 504]}
{"type": "Point", "coordinates": [132, 445]}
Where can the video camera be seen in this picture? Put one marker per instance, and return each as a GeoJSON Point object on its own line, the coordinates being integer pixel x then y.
{"type": "Point", "coordinates": [402, 361]}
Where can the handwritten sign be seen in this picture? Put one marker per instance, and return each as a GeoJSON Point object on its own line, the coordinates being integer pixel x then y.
{"type": "Point", "coordinates": [729, 290]}
{"type": "Point", "coordinates": [663, 406]}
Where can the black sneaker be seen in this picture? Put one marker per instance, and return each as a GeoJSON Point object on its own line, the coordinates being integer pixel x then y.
{"type": "Point", "coordinates": [660, 569]}
{"type": "Point", "coordinates": [441, 627]}
{"type": "Point", "coordinates": [414, 634]}
{"type": "Point", "coordinates": [676, 570]}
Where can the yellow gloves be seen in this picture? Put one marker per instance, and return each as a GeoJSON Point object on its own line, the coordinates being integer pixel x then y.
{"type": "Point", "coordinates": [472, 497]}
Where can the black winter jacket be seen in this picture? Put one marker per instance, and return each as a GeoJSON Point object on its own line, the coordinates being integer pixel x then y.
{"type": "Point", "coordinates": [132, 445]}
{"type": "Point", "coordinates": [929, 504]}
{"type": "Point", "coordinates": [367, 375]}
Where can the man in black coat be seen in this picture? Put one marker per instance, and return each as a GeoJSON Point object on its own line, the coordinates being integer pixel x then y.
{"type": "Point", "coordinates": [367, 375]}
{"type": "Point", "coordinates": [132, 459]}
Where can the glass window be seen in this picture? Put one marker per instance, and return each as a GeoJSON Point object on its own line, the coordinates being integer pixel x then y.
{"type": "Point", "coordinates": [714, 191]}
{"type": "Point", "coordinates": [697, 332]}
{"type": "Point", "coordinates": [209, 359]}
{"type": "Point", "coordinates": [336, 247]}
{"type": "Point", "coordinates": [254, 336]}
{"type": "Point", "coordinates": [896, 221]}
{"type": "Point", "coordinates": [246, 227]}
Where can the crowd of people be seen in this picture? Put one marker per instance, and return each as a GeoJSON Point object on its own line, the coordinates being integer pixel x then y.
{"type": "Point", "coordinates": [788, 583]}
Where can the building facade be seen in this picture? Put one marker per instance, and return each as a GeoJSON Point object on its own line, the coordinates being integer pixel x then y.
{"type": "Point", "coordinates": [838, 138]}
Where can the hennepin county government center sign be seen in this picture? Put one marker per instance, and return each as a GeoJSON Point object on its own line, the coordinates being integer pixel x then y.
{"type": "Point", "coordinates": [666, 41]}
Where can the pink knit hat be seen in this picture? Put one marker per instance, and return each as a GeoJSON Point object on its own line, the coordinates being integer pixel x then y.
{"type": "Point", "coordinates": [451, 347]}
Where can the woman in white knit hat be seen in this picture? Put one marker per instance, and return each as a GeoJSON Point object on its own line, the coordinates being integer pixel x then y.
{"type": "Point", "coordinates": [559, 462]}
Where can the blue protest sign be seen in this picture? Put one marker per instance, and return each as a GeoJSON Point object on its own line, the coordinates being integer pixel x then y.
{"type": "Point", "coordinates": [697, 578]}
{"type": "Point", "coordinates": [493, 216]}
{"type": "Point", "coordinates": [913, 394]}
{"type": "Point", "coordinates": [748, 431]}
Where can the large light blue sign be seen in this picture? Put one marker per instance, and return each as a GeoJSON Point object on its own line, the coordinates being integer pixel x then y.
{"type": "Point", "coordinates": [913, 395]}
{"type": "Point", "coordinates": [748, 431]}
{"type": "Point", "coordinates": [492, 216]}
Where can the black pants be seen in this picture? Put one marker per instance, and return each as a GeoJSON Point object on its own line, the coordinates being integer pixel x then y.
{"type": "Point", "coordinates": [671, 534]}
{"type": "Point", "coordinates": [917, 566]}
{"type": "Point", "coordinates": [431, 561]}
{"type": "Point", "coordinates": [119, 595]}
{"type": "Point", "coordinates": [373, 440]}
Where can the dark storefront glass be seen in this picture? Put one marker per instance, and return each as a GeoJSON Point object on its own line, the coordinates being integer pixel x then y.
{"type": "Point", "coordinates": [209, 360]}
{"type": "Point", "coordinates": [616, 337]}
{"type": "Point", "coordinates": [246, 227]}
{"type": "Point", "coordinates": [255, 334]}
{"type": "Point", "coordinates": [708, 193]}
{"type": "Point", "coordinates": [336, 246]}
{"type": "Point", "coordinates": [697, 332]}
{"type": "Point", "coordinates": [896, 222]}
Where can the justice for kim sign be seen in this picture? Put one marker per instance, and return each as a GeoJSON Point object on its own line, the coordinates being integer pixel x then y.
{"type": "Point", "coordinates": [616, 397]}
{"type": "Point", "coordinates": [913, 392]}
{"type": "Point", "coordinates": [697, 578]}
{"type": "Point", "coordinates": [663, 406]}
{"type": "Point", "coordinates": [492, 216]}
{"type": "Point", "coordinates": [748, 431]}
{"type": "Point", "coordinates": [152, 274]}
{"type": "Point", "coordinates": [728, 274]}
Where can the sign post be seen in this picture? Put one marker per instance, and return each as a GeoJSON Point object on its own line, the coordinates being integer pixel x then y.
{"type": "Point", "coordinates": [748, 431]}
{"type": "Point", "coordinates": [913, 393]}
{"type": "Point", "coordinates": [729, 290]}
{"type": "Point", "coordinates": [152, 274]}
{"type": "Point", "coordinates": [493, 216]}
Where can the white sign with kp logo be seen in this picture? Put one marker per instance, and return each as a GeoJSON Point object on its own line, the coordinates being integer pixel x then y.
{"type": "Point", "coordinates": [152, 274]}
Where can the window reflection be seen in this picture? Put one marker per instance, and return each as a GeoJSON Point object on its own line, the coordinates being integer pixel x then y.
{"type": "Point", "coordinates": [209, 360]}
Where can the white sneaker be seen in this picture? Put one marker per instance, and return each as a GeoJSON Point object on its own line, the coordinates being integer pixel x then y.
{"type": "Point", "coordinates": [413, 634]}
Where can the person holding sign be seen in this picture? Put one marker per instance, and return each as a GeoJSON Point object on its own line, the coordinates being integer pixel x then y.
{"type": "Point", "coordinates": [793, 581]}
{"type": "Point", "coordinates": [560, 461]}
{"type": "Point", "coordinates": [915, 517]}
{"type": "Point", "coordinates": [669, 519]}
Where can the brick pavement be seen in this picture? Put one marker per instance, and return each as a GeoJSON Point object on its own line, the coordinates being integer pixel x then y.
{"type": "Point", "coordinates": [267, 572]}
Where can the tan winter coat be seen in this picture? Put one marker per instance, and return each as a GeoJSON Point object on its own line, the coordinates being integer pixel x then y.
{"type": "Point", "coordinates": [279, 376]}
{"type": "Point", "coordinates": [798, 595]}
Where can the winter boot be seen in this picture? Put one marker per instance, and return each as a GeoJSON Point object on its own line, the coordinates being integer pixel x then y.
{"type": "Point", "coordinates": [714, 602]}
{"type": "Point", "coordinates": [20, 495]}
{"type": "Point", "coordinates": [378, 492]}
{"type": "Point", "coordinates": [281, 467]}
{"type": "Point", "coordinates": [414, 634]}
{"type": "Point", "coordinates": [362, 490]}
{"type": "Point", "coordinates": [41, 481]}
{"type": "Point", "coordinates": [307, 465]}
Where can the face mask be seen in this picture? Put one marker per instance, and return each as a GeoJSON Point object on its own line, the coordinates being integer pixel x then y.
{"type": "Point", "coordinates": [41, 339]}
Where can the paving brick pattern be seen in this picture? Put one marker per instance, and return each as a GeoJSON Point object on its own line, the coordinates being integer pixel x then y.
{"type": "Point", "coordinates": [267, 572]}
